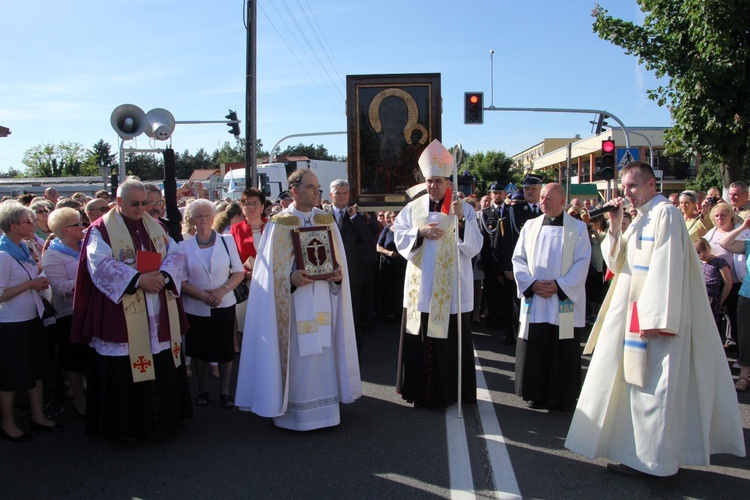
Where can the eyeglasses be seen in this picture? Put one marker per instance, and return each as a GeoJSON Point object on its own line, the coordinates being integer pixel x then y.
{"type": "Point", "coordinates": [80, 224]}
{"type": "Point", "coordinates": [103, 210]}
{"type": "Point", "coordinates": [202, 216]}
{"type": "Point", "coordinates": [30, 221]}
{"type": "Point", "coordinates": [136, 204]}
{"type": "Point", "coordinates": [158, 203]}
{"type": "Point", "coordinates": [41, 211]}
{"type": "Point", "coordinates": [253, 204]}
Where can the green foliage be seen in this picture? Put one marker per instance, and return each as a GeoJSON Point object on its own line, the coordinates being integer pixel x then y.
{"type": "Point", "coordinates": [489, 167]}
{"type": "Point", "coordinates": [47, 160]}
{"type": "Point", "coordinates": [709, 175]}
{"type": "Point", "coordinates": [11, 173]}
{"type": "Point", "coordinates": [147, 166]}
{"type": "Point", "coordinates": [702, 48]}
{"type": "Point", "coordinates": [313, 152]}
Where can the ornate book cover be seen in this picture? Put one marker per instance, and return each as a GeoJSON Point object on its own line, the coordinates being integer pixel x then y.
{"type": "Point", "coordinates": [313, 251]}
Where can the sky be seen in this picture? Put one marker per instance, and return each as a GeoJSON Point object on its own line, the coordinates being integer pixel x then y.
{"type": "Point", "coordinates": [66, 65]}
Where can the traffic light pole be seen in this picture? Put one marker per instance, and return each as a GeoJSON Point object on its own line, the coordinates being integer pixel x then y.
{"type": "Point", "coordinates": [571, 110]}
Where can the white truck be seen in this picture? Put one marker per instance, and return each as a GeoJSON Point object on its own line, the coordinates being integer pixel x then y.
{"type": "Point", "coordinates": [276, 175]}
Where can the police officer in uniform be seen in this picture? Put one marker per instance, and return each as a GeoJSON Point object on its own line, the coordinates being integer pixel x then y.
{"type": "Point", "coordinates": [518, 214]}
{"type": "Point", "coordinates": [492, 222]}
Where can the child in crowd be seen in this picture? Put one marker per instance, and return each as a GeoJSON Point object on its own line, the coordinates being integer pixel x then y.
{"type": "Point", "coordinates": [717, 276]}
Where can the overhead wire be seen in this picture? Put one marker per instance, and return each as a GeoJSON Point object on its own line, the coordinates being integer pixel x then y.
{"type": "Point", "coordinates": [328, 79]}
{"type": "Point", "coordinates": [320, 67]}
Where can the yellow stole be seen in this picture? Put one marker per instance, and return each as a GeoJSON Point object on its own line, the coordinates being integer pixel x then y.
{"type": "Point", "coordinates": [134, 306]}
{"type": "Point", "coordinates": [442, 281]}
{"type": "Point", "coordinates": [283, 256]}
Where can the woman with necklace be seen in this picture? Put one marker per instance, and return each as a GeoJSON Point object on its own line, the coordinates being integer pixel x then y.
{"type": "Point", "coordinates": [22, 342]}
{"type": "Point", "coordinates": [60, 263]}
{"type": "Point", "coordinates": [212, 270]}
{"type": "Point", "coordinates": [247, 236]}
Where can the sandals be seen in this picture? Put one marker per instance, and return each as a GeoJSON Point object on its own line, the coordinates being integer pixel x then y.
{"type": "Point", "coordinates": [227, 401]}
{"type": "Point", "coordinates": [202, 399]}
{"type": "Point", "coordinates": [742, 384]}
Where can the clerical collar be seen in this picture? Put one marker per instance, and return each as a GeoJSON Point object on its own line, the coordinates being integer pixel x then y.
{"type": "Point", "coordinates": [435, 206]}
{"type": "Point", "coordinates": [305, 216]}
{"type": "Point", "coordinates": [553, 221]}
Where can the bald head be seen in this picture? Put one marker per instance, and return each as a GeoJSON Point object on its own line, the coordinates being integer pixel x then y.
{"type": "Point", "coordinates": [553, 199]}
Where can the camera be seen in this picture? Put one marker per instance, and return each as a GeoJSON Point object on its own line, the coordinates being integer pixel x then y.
{"type": "Point", "coordinates": [712, 200]}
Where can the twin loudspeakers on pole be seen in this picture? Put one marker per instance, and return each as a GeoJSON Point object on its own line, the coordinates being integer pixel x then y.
{"type": "Point", "coordinates": [129, 121]}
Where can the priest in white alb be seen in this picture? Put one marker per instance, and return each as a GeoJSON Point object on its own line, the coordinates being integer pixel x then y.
{"type": "Point", "coordinates": [550, 264]}
{"type": "Point", "coordinates": [425, 234]}
{"type": "Point", "coordinates": [658, 393]}
{"type": "Point", "coordinates": [299, 352]}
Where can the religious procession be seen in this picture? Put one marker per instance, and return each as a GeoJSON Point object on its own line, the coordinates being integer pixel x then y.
{"type": "Point", "coordinates": [110, 313]}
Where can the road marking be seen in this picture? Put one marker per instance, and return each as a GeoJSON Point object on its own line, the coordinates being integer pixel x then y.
{"type": "Point", "coordinates": [459, 464]}
{"type": "Point", "coordinates": [503, 476]}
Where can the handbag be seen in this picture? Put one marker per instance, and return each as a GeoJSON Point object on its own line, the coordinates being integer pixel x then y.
{"type": "Point", "coordinates": [241, 291]}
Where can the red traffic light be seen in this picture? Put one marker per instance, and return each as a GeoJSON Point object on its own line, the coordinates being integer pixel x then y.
{"type": "Point", "coordinates": [608, 146]}
{"type": "Point", "coordinates": [473, 108]}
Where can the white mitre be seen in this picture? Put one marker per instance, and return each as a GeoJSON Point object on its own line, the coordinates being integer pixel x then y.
{"type": "Point", "coordinates": [436, 161]}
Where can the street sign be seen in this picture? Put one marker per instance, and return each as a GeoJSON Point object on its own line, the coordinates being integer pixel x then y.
{"type": "Point", "coordinates": [626, 155]}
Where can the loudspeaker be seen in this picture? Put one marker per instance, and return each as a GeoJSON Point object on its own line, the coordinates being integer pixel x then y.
{"type": "Point", "coordinates": [160, 124]}
{"type": "Point", "coordinates": [128, 121]}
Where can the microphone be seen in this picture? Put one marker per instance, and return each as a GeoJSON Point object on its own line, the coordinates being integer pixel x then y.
{"type": "Point", "coordinates": [602, 210]}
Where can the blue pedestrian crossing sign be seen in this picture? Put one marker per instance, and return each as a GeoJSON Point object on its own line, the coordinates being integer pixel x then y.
{"type": "Point", "coordinates": [626, 155]}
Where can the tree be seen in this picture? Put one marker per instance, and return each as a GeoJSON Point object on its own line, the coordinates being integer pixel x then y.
{"type": "Point", "coordinates": [11, 173]}
{"type": "Point", "coordinates": [702, 47]}
{"type": "Point", "coordinates": [48, 160]}
{"type": "Point", "coordinates": [318, 152]}
{"type": "Point", "coordinates": [489, 168]}
{"type": "Point", "coordinates": [144, 165]}
{"type": "Point", "coordinates": [101, 156]}
{"type": "Point", "coordinates": [186, 163]}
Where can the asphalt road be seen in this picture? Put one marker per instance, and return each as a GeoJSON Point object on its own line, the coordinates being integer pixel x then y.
{"type": "Point", "coordinates": [383, 448]}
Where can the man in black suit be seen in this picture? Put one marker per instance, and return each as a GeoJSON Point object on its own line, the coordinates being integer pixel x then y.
{"type": "Point", "coordinates": [491, 223]}
{"type": "Point", "coordinates": [361, 253]}
{"type": "Point", "coordinates": [518, 214]}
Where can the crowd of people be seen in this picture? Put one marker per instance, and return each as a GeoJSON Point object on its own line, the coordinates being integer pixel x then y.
{"type": "Point", "coordinates": [104, 305]}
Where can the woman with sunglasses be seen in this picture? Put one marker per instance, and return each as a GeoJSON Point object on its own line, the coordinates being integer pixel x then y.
{"type": "Point", "coordinates": [60, 262]}
{"type": "Point", "coordinates": [22, 343]}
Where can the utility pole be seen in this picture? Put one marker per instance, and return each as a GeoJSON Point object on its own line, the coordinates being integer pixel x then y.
{"type": "Point", "coordinates": [251, 105]}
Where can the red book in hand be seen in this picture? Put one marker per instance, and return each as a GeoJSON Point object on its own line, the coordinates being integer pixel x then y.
{"type": "Point", "coordinates": [146, 262]}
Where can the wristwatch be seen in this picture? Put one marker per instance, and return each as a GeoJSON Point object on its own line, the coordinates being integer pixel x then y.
{"type": "Point", "coordinates": [166, 277]}
{"type": "Point", "coordinates": [462, 219]}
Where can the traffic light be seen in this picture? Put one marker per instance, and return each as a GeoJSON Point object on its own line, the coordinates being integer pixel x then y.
{"type": "Point", "coordinates": [473, 108]}
{"type": "Point", "coordinates": [234, 128]}
{"type": "Point", "coordinates": [608, 159]}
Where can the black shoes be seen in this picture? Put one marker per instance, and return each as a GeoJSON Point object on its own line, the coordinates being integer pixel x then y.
{"type": "Point", "coordinates": [23, 438]}
{"type": "Point", "coordinates": [46, 428]}
{"type": "Point", "coordinates": [624, 470]}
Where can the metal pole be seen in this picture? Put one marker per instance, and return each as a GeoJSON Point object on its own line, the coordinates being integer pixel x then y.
{"type": "Point", "coordinates": [273, 155]}
{"type": "Point", "coordinates": [457, 154]}
{"type": "Point", "coordinates": [492, 78]}
{"type": "Point", "coordinates": [567, 174]}
{"type": "Point", "coordinates": [251, 133]}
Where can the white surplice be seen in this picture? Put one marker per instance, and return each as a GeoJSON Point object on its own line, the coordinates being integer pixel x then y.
{"type": "Point", "coordinates": [112, 279]}
{"type": "Point", "coordinates": [300, 391]}
{"type": "Point", "coordinates": [548, 265]}
{"type": "Point", "coordinates": [687, 409]}
{"type": "Point", "coordinates": [405, 237]}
